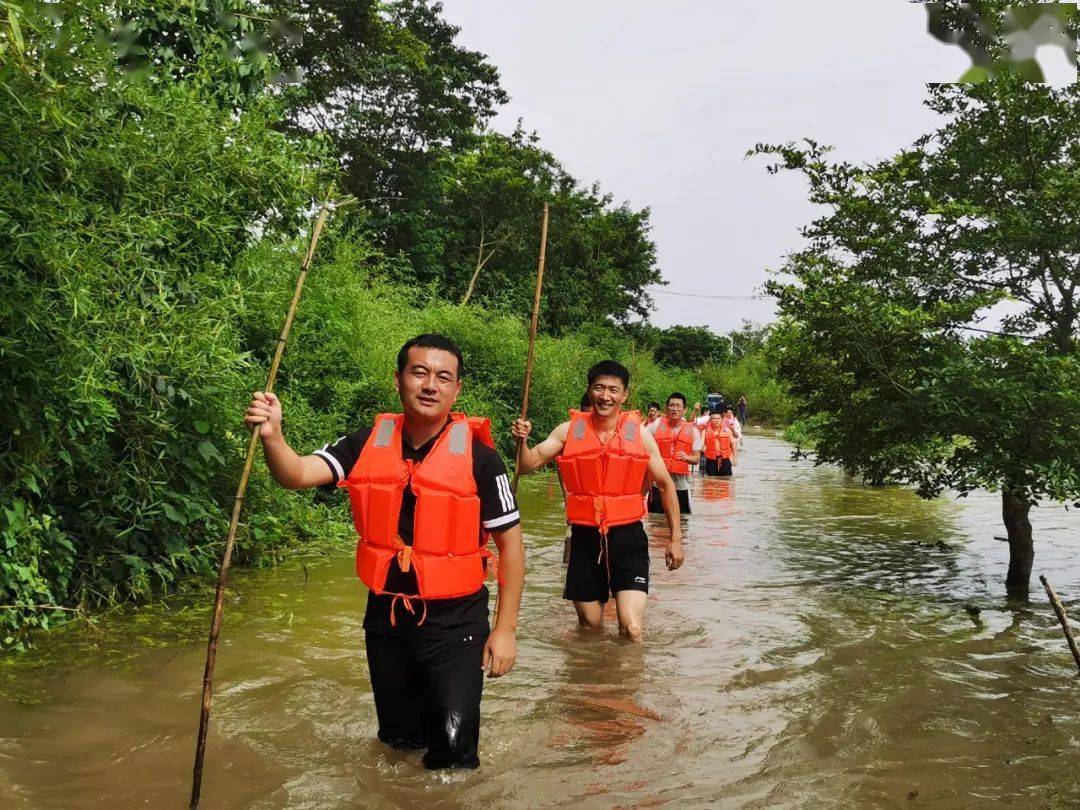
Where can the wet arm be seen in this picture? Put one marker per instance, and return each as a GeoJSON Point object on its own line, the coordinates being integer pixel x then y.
{"type": "Point", "coordinates": [292, 470]}
{"type": "Point", "coordinates": [500, 649]}
{"type": "Point", "coordinates": [511, 577]}
{"type": "Point", "coordinates": [693, 457]}
{"type": "Point", "coordinates": [289, 469]}
{"type": "Point", "coordinates": [664, 483]}
{"type": "Point", "coordinates": [532, 459]}
{"type": "Point", "coordinates": [698, 443]}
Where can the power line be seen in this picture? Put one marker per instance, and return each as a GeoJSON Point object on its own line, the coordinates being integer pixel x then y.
{"type": "Point", "coordinates": [701, 295]}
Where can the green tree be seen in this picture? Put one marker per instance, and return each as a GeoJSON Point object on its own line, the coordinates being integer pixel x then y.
{"type": "Point", "coordinates": [748, 339]}
{"type": "Point", "coordinates": [752, 371]}
{"type": "Point", "coordinates": [885, 332]}
{"type": "Point", "coordinates": [690, 347]}
{"type": "Point", "coordinates": [225, 46]}
{"type": "Point", "coordinates": [388, 82]}
{"type": "Point", "coordinates": [124, 206]}
{"type": "Point", "coordinates": [482, 235]}
{"type": "Point", "coordinates": [406, 106]}
{"type": "Point", "coordinates": [1003, 37]}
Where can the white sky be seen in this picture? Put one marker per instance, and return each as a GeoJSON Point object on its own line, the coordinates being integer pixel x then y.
{"type": "Point", "coordinates": [659, 101]}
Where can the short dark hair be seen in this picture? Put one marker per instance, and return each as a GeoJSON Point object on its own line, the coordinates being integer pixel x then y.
{"type": "Point", "coordinates": [431, 340]}
{"type": "Point", "coordinates": [654, 405]}
{"type": "Point", "coordinates": [706, 409]}
{"type": "Point", "coordinates": [677, 395]}
{"type": "Point", "coordinates": [610, 368]}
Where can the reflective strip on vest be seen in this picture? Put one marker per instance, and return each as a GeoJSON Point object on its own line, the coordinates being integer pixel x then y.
{"type": "Point", "coordinates": [459, 435]}
{"type": "Point", "coordinates": [630, 434]}
{"type": "Point", "coordinates": [385, 433]}
{"type": "Point", "coordinates": [579, 429]}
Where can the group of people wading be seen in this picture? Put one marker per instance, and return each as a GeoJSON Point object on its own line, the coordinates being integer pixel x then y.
{"type": "Point", "coordinates": [710, 438]}
{"type": "Point", "coordinates": [428, 489]}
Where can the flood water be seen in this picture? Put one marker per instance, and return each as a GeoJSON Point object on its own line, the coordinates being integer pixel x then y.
{"type": "Point", "coordinates": [825, 645]}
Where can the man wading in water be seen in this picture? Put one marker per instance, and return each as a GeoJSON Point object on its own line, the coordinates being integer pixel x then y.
{"type": "Point", "coordinates": [680, 448]}
{"type": "Point", "coordinates": [603, 455]}
{"type": "Point", "coordinates": [426, 487]}
{"type": "Point", "coordinates": [721, 450]}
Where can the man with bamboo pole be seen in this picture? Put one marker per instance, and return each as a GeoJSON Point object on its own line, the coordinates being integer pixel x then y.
{"type": "Point", "coordinates": [427, 488]}
{"type": "Point", "coordinates": [603, 455]}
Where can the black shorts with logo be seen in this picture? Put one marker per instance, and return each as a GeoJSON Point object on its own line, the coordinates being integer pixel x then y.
{"type": "Point", "coordinates": [626, 555]}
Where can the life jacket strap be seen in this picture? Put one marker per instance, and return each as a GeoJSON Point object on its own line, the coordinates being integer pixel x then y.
{"type": "Point", "coordinates": [601, 519]}
{"type": "Point", "coordinates": [605, 553]}
{"type": "Point", "coordinates": [491, 564]}
{"type": "Point", "coordinates": [406, 601]}
{"type": "Point", "coordinates": [404, 554]}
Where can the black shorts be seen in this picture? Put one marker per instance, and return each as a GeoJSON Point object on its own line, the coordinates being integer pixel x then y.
{"type": "Point", "coordinates": [656, 503]}
{"type": "Point", "coordinates": [718, 467]}
{"type": "Point", "coordinates": [587, 573]}
{"type": "Point", "coordinates": [427, 694]}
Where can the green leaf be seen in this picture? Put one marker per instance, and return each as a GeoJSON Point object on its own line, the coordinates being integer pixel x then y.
{"type": "Point", "coordinates": [202, 427]}
{"type": "Point", "coordinates": [16, 31]}
{"type": "Point", "coordinates": [207, 450]}
{"type": "Point", "coordinates": [172, 514]}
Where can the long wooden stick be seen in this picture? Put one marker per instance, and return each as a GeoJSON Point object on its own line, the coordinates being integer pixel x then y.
{"type": "Point", "coordinates": [1059, 609]}
{"type": "Point", "coordinates": [532, 343]}
{"type": "Point", "coordinates": [234, 521]}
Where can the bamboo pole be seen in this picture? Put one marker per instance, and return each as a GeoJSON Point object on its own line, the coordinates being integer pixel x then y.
{"type": "Point", "coordinates": [234, 520]}
{"type": "Point", "coordinates": [1059, 609]}
{"type": "Point", "coordinates": [532, 343]}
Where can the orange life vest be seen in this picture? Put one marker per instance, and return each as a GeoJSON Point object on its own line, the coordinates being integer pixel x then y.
{"type": "Point", "coordinates": [448, 550]}
{"type": "Point", "coordinates": [672, 441]}
{"type": "Point", "coordinates": [603, 481]}
{"type": "Point", "coordinates": [718, 443]}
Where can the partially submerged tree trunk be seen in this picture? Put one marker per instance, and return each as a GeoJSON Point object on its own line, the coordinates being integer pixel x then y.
{"type": "Point", "coordinates": [1014, 512]}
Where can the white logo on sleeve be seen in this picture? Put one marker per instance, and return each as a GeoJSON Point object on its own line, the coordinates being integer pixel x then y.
{"type": "Point", "coordinates": [506, 496]}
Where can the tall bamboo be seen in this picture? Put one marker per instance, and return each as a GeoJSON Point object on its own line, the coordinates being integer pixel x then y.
{"type": "Point", "coordinates": [532, 342]}
{"type": "Point", "coordinates": [234, 521]}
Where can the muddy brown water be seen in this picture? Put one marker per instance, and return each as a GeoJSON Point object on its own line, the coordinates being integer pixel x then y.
{"type": "Point", "coordinates": [825, 645]}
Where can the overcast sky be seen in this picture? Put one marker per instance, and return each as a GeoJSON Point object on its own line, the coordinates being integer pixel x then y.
{"type": "Point", "coordinates": [659, 101]}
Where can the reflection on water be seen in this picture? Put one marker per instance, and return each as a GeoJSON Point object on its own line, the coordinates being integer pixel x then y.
{"type": "Point", "coordinates": [596, 701]}
{"type": "Point", "coordinates": [824, 645]}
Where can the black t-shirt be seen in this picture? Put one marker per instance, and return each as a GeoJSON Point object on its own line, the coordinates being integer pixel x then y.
{"type": "Point", "coordinates": [498, 511]}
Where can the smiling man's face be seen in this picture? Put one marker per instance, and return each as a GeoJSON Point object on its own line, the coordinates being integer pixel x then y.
{"type": "Point", "coordinates": [429, 385]}
{"type": "Point", "coordinates": [607, 394]}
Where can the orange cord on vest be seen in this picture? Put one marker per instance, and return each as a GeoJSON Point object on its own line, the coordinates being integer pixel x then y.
{"type": "Point", "coordinates": [404, 560]}
{"type": "Point", "coordinates": [404, 554]}
{"type": "Point", "coordinates": [406, 600]}
{"type": "Point", "coordinates": [602, 525]}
